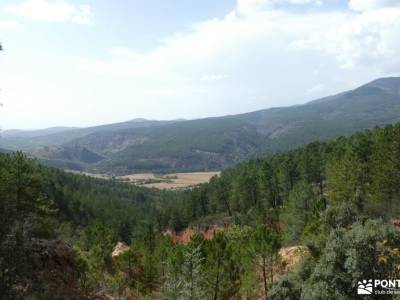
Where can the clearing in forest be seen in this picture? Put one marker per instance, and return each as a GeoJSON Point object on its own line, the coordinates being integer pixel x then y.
{"type": "Point", "coordinates": [169, 181]}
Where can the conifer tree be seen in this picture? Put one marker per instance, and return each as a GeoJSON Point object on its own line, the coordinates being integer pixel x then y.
{"type": "Point", "coordinates": [192, 277]}
{"type": "Point", "coordinates": [298, 210]}
{"type": "Point", "coordinates": [266, 244]}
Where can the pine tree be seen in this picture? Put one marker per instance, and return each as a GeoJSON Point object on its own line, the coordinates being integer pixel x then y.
{"type": "Point", "coordinates": [172, 286]}
{"type": "Point", "coordinates": [298, 210]}
{"type": "Point", "coordinates": [385, 175]}
{"type": "Point", "coordinates": [192, 277]}
{"type": "Point", "coordinates": [266, 244]}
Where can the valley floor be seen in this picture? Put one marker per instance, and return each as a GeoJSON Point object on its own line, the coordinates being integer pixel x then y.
{"type": "Point", "coordinates": [172, 181]}
{"type": "Point", "coordinates": [169, 181]}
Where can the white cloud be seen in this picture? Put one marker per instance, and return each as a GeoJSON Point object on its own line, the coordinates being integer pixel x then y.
{"type": "Point", "coordinates": [267, 54]}
{"type": "Point", "coordinates": [53, 11]}
{"type": "Point", "coordinates": [214, 77]}
{"type": "Point", "coordinates": [272, 55]}
{"type": "Point", "coordinates": [367, 38]}
{"type": "Point", "coordinates": [246, 7]}
{"type": "Point", "coordinates": [351, 39]}
{"type": "Point", "coordinates": [251, 6]}
{"type": "Point", "coordinates": [365, 5]}
{"type": "Point", "coordinates": [83, 15]}
{"type": "Point", "coordinates": [9, 25]}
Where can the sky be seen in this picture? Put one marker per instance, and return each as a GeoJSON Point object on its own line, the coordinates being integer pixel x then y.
{"type": "Point", "coordinates": [90, 62]}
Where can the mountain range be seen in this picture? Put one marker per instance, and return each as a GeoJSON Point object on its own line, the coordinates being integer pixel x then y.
{"type": "Point", "coordinates": [215, 143]}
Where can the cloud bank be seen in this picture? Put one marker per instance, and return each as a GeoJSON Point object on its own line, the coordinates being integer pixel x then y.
{"type": "Point", "coordinates": [263, 53]}
{"type": "Point", "coordinates": [364, 37]}
{"type": "Point", "coordinates": [53, 11]}
{"type": "Point", "coordinates": [10, 25]}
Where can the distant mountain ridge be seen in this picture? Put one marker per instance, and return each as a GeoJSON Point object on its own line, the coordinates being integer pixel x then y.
{"type": "Point", "coordinates": [389, 85]}
{"type": "Point", "coordinates": [15, 133]}
{"type": "Point", "coordinates": [29, 139]}
{"type": "Point", "coordinates": [214, 143]}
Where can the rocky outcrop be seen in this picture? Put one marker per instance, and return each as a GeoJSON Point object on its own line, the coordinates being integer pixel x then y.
{"type": "Point", "coordinates": [119, 249]}
{"type": "Point", "coordinates": [291, 256]}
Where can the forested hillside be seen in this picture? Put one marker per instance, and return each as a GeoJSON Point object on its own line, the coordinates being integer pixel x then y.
{"type": "Point", "coordinates": [39, 205]}
{"type": "Point", "coordinates": [212, 143]}
{"type": "Point", "coordinates": [361, 170]}
{"type": "Point", "coordinates": [337, 200]}
{"type": "Point", "coordinates": [30, 139]}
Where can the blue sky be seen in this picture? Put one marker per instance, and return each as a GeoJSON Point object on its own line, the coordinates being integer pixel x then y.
{"type": "Point", "coordinates": [82, 63]}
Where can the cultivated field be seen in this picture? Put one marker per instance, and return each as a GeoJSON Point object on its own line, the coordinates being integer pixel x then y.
{"type": "Point", "coordinates": [169, 181]}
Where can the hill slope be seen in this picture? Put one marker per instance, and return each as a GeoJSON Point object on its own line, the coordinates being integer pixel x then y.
{"type": "Point", "coordinates": [31, 139]}
{"type": "Point", "coordinates": [215, 143]}
{"type": "Point", "coordinates": [373, 104]}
